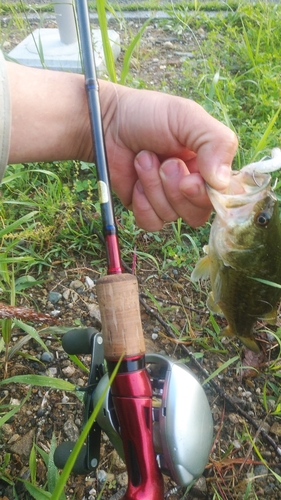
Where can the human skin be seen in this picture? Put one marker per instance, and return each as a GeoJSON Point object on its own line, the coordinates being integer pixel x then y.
{"type": "Point", "coordinates": [161, 149]}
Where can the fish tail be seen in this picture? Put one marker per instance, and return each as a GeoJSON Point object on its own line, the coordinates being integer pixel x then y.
{"type": "Point", "coordinates": [251, 344]}
{"type": "Point", "coordinates": [248, 342]}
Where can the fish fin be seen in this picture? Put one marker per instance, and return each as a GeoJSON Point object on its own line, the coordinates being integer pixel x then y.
{"type": "Point", "coordinates": [248, 342]}
{"type": "Point", "coordinates": [206, 249]}
{"type": "Point", "coordinates": [227, 332]}
{"type": "Point", "coordinates": [270, 317]}
{"type": "Point", "coordinates": [202, 269]}
{"type": "Point", "coordinates": [212, 305]}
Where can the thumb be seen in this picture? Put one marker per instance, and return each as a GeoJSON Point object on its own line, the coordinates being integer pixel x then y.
{"type": "Point", "coordinates": [213, 142]}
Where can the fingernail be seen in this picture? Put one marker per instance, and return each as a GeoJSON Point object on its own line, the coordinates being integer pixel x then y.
{"type": "Point", "coordinates": [223, 175]}
{"type": "Point", "coordinates": [170, 169]}
{"type": "Point", "coordinates": [144, 160]}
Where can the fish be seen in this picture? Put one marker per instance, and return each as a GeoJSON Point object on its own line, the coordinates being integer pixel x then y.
{"type": "Point", "coordinates": [244, 251]}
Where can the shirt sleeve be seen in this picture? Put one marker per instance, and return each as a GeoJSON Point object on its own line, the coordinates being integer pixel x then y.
{"type": "Point", "coordinates": [5, 116]}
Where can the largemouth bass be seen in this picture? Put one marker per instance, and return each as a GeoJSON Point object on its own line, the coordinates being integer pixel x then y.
{"type": "Point", "coordinates": [244, 247]}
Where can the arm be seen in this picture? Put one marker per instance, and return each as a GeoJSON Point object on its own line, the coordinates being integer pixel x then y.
{"type": "Point", "coordinates": [161, 149]}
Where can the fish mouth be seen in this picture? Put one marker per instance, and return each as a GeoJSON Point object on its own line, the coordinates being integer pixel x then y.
{"type": "Point", "coordinates": [244, 189]}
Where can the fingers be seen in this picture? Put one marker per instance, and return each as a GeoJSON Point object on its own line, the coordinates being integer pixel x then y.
{"type": "Point", "coordinates": [144, 213]}
{"type": "Point", "coordinates": [149, 203]}
{"type": "Point", "coordinates": [166, 192]}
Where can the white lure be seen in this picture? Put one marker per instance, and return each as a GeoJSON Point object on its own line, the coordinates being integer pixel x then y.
{"type": "Point", "coordinates": [265, 166]}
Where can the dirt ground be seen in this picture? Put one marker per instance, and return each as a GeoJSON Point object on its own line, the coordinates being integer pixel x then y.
{"type": "Point", "coordinates": [240, 419]}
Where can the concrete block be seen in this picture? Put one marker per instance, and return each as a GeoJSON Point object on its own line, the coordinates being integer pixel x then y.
{"type": "Point", "coordinates": [44, 48]}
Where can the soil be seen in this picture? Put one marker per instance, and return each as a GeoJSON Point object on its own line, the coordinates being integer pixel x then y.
{"type": "Point", "coordinates": [242, 424]}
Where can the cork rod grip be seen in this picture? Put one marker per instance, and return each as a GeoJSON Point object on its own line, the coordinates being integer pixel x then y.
{"type": "Point", "coordinates": [120, 315]}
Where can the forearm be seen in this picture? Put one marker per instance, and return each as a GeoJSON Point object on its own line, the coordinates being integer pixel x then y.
{"type": "Point", "coordinates": [50, 118]}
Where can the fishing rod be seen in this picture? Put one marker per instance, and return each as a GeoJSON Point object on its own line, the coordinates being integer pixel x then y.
{"type": "Point", "coordinates": [120, 314]}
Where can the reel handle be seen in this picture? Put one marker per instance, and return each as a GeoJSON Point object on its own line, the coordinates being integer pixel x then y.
{"type": "Point", "coordinates": [131, 389]}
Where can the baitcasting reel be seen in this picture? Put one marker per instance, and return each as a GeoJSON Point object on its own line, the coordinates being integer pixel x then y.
{"type": "Point", "coordinates": [182, 420]}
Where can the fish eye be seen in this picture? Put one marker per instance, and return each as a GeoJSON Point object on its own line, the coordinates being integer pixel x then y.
{"type": "Point", "coordinates": [262, 219]}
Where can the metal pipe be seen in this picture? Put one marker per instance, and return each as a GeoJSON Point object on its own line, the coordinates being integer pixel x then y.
{"type": "Point", "coordinates": [64, 10]}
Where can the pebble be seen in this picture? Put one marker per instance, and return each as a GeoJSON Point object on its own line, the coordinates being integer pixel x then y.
{"type": "Point", "coordinates": [41, 412]}
{"type": "Point", "coordinates": [55, 312]}
{"type": "Point", "coordinates": [52, 371]}
{"type": "Point", "coordinates": [94, 311]}
{"type": "Point", "coordinates": [154, 336]}
{"type": "Point", "coordinates": [276, 428]}
{"type": "Point", "coordinates": [71, 430]}
{"type": "Point", "coordinates": [6, 45]}
{"type": "Point", "coordinates": [14, 402]}
{"type": "Point", "coordinates": [74, 295]}
{"type": "Point", "coordinates": [48, 357]}
{"type": "Point", "coordinates": [234, 419]}
{"type": "Point", "coordinates": [7, 430]}
{"type": "Point", "coordinates": [68, 371]}
{"type": "Point", "coordinates": [54, 297]}
{"type": "Point", "coordinates": [66, 294]}
{"type": "Point", "coordinates": [266, 454]}
{"type": "Point", "coordinates": [117, 460]}
{"type": "Point", "coordinates": [200, 487]}
{"type": "Point", "coordinates": [260, 470]}
{"type": "Point", "coordinates": [76, 285]}
{"type": "Point", "coordinates": [247, 394]}
{"type": "Point", "coordinates": [265, 427]}
{"type": "Point", "coordinates": [122, 479]}
{"type": "Point", "coordinates": [14, 438]}
{"type": "Point", "coordinates": [23, 446]}
{"type": "Point", "coordinates": [89, 282]}
{"type": "Point", "coordinates": [80, 382]}
{"type": "Point", "coordinates": [101, 475]}
{"type": "Point", "coordinates": [236, 444]}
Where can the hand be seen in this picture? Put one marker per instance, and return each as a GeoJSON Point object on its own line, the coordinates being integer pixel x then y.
{"type": "Point", "coordinates": [161, 150]}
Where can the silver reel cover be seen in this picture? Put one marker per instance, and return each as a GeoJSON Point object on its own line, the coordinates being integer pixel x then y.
{"type": "Point", "coordinates": [182, 419]}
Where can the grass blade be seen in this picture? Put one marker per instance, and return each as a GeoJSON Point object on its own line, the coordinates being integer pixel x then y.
{"type": "Point", "coordinates": [30, 330]}
{"type": "Point", "coordinates": [14, 225]}
{"type": "Point", "coordinates": [41, 381]}
{"type": "Point", "coordinates": [108, 54]}
{"type": "Point", "coordinates": [129, 52]}
{"type": "Point", "coordinates": [35, 491]}
{"type": "Point", "coordinates": [12, 412]}
{"type": "Point", "coordinates": [263, 141]}
{"type": "Point", "coordinates": [220, 369]}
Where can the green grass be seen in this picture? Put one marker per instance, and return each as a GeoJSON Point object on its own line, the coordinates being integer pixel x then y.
{"type": "Point", "coordinates": [49, 213]}
{"type": "Point", "coordinates": [238, 73]}
{"type": "Point", "coordinates": [153, 5]}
